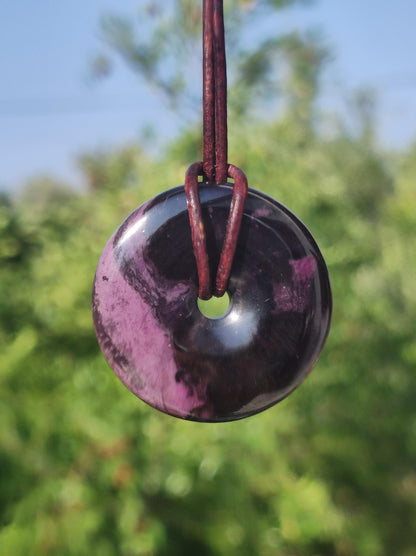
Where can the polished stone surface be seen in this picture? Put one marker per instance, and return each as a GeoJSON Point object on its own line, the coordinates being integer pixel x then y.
{"type": "Point", "coordinates": [167, 352]}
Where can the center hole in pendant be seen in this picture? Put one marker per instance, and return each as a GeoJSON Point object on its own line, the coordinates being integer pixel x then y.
{"type": "Point", "coordinates": [214, 308]}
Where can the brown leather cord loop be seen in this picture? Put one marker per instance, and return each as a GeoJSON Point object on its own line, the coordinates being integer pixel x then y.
{"type": "Point", "coordinates": [214, 168]}
{"type": "Point", "coordinates": [233, 228]}
{"type": "Point", "coordinates": [197, 228]}
{"type": "Point", "coordinates": [198, 231]}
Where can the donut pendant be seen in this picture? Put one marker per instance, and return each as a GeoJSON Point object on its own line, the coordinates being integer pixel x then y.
{"type": "Point", "coordinates": [166, 351]}
{"type": "Point", "coordinates": [163, 257]}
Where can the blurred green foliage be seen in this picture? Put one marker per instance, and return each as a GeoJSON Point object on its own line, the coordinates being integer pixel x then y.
{"type": "Point", "coordinates": [86, 468]}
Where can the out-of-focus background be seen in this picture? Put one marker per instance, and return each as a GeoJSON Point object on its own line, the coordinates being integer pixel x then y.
{"type": "Point", "coordinates": [99, 111]}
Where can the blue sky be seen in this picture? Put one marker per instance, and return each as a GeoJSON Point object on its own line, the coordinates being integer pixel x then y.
{"type": "Point", "coordinates": [50, 112]}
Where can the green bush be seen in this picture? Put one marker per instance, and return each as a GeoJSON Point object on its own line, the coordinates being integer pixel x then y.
{"type": "Point", "coordinates": [86, 468]}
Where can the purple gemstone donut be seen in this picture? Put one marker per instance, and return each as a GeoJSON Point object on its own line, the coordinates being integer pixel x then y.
{"type": "Point", "coordinates": [177, 360]}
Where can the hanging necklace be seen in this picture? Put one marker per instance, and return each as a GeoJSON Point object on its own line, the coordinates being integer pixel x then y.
{"type": "Point", "coordinates": [206, 238]}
